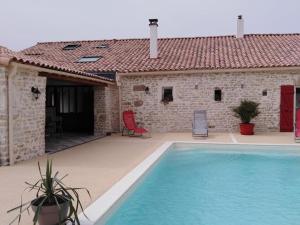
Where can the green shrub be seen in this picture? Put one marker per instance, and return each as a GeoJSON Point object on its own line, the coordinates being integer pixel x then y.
{"type": "Point", "coordinates": [246, 111]}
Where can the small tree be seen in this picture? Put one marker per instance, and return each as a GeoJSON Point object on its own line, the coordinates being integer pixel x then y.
{"type": "Point", "coordinates": [246, 111]}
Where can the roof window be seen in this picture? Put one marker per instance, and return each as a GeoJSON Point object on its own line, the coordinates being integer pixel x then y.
{"type": "Point", "coordinates": [89, 59]}
{"type": "Point", "coordinates": [103, 45]}
{"type": "Point", "coordinates": [71, 46]}
{"type": "Point", "coordinates": [33, 53]}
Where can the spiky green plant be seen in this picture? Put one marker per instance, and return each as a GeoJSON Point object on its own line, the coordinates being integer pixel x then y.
{"type": "Point", "coordinates": [50, 190]}
{"type": "Point", "coordinates": [246, 111]}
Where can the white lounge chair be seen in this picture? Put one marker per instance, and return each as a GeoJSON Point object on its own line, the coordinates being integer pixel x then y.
{"type": "Point", "coordinates": [200, 125]}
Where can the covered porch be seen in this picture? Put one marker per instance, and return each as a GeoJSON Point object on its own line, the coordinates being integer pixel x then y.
{"type": "Point", "coordinates": [72, 111]}
{"type": "Point", "coordinates": [34, 113]}
{"type": "Point", "coordinates": [69, 114]}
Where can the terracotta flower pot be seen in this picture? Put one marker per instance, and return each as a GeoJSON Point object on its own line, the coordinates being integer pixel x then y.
{"type": "Point", "coordinates": [247, 128]}
{"type": "Point", "coordinates": [49, 215]}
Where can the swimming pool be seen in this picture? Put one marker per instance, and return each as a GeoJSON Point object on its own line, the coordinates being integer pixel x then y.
{"type": "Point", "coordinates": [215, 185]}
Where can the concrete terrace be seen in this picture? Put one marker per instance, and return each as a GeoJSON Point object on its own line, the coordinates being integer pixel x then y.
{"type": "Point", "coordinates": [99, 164]}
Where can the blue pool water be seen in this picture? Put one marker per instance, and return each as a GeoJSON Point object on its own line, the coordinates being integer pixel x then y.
{"type": "Point", "coordinates": [216, 185]}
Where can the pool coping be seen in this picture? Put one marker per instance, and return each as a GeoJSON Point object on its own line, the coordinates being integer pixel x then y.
{"type": "Point", "coordinates": [105, 202]}
{"type": "Point", "coordinates": [102, 205]}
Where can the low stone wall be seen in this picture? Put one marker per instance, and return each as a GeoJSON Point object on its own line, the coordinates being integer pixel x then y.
{"type": "Point", "coordinates": [3, 118]}
{"type": "Point", "coordinates": [106, 109]}
{"type": "Point", "coordinates": [196, 91]}
{"type": "Point", "coordinates": [28, 115]}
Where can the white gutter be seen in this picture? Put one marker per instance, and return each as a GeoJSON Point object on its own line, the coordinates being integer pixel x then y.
{"type": "Point", "coordinates": [10, 101]}
{"type": "Point", "coordinates": [120, 101]}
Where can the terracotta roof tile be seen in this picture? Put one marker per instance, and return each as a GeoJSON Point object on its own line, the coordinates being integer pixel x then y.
{"type": "Point", "coordinates": [31, 59]}
{"type": "Point", "coordinates": [199, 53]}
{"type": "Point", "coordinates": [5, 51]}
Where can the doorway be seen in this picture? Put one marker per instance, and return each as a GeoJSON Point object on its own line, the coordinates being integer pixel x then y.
{"type": "Point", "coordinates": [287, 108]}
{"type": "Point", "coordinates": [69, 114]}
{"type": "Point", "coordinates": [297, 114]}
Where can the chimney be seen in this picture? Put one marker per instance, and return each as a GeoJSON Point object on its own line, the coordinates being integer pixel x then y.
{"type": "Point", "coordinates": [153, 38]}
{"type": "Point", "coordinates": [240, 27]}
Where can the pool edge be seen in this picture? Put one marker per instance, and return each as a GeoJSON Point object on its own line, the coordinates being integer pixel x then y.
{"type": "Point", "coordinates": [101, 206]}
{"type": "Point", "coordinates": [105, 202]}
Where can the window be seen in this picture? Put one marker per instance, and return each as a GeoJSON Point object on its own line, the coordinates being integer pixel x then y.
{"type": "Point", "coordinates": [84, 59]}
{"type": "Point", "coordinates": [34, 53]}
{"type": "Point", "coordinates": [103, 46]}
{"type": "Point", "coordinates": [50, 97]}
{"type": "Point", "coordinates": [218, 95]}
{"type": "Point", "coordinates": [67, 99]}
{"type": "Point", "coordinates": [167, 95]}
{"type": "Point", "coordinates": [71, 46]}
{"type": "Point", "coordinates": [264, 93]}
{"type": "Point", "coordinates": [297, 97]}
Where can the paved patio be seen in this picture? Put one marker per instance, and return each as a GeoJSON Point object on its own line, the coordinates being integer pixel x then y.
{"type": "Point", "coordinates": [99, 164]}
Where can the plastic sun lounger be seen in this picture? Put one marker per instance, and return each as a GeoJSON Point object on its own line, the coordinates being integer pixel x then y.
{"type": "Point", "coordinates": [200, 125]}
{"type": "Point", "coordinates": [297, 125]}
{"type": "Point", "coordinates": [130, 125]}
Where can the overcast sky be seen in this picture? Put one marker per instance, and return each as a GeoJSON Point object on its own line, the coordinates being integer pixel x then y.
{"type": "Point", "coordinates": [25, 22]}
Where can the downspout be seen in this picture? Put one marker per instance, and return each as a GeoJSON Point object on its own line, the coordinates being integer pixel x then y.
{"type": "Point", "coordinates": [120, 101]}
{"type": "Point", "coordinates": [10, 98]}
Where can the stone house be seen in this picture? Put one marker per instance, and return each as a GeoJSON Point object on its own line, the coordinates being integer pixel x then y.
{"type": "Point", "coordinates": [90, 83]}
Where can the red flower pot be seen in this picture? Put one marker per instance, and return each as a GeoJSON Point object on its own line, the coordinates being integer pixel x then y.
{"type": "Point", "coordinates": [246, 128]}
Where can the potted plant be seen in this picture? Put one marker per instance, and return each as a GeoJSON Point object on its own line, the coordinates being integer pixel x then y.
{"type": "Point", "coordinates": [246, 111]}
{"type": "Point", "coordinates": [55, 203]}
{"type": "Point", "coordinates": [166, 100]}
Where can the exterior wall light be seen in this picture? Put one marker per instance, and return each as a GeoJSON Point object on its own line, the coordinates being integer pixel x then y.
{"type": "Point", "coordinates": [35, 92]}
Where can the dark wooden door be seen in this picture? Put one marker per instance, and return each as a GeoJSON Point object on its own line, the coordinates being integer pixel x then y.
{"type": "Point", "coordinates": [286, 108]}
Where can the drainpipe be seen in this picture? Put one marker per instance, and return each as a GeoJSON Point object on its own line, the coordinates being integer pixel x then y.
{"type": "Point", "coordinates": [120, 101]}
{"type": "Point", "coordinates": [10, 98]}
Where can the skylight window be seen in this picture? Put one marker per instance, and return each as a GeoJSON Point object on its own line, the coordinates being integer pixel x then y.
{"type": "Point", "coordinates": [103, 46]}
{"type": "Point", "coordinates": [89, 59]}
{"type": "Point", "coordinates": [34, 53]}
{"type": "Point", "coordinates": [71, 46]}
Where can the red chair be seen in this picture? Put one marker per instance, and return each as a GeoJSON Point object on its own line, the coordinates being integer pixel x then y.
{"type": "Point", "coordinates": [297, 127]}
{"type": "Point", "coordinates": [130, 124]}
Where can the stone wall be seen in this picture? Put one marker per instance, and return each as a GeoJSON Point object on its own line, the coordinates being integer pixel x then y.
{"type": "Point", "coordinates": [4, 157]}
{"type": "Point", "coordinates": [114, 108]}
{"type": "Point", "coordinates": [106, 109]}
{"type": "Point", "coordinates": [28, 115]}
{"type": "Point", "coordinates": [196, 91]}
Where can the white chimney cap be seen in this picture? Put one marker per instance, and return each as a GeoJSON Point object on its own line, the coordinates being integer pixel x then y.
{"type": "Point", "coordinates": [153, 22]}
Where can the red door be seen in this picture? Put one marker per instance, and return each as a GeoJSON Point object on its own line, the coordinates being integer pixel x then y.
{"type": "Point", "coordinates": [286, 108]}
